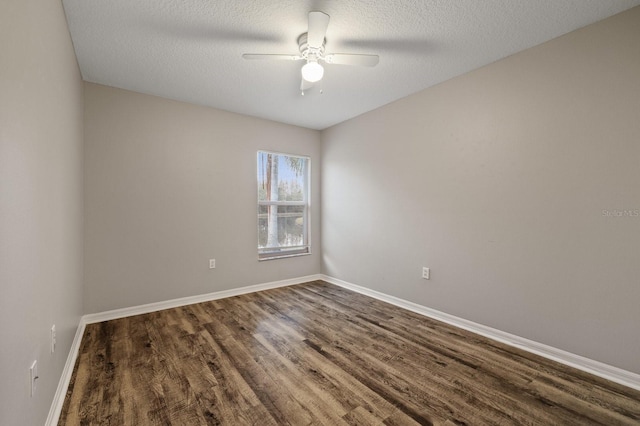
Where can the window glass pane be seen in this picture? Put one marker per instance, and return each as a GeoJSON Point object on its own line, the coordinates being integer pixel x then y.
{"type": "Point", "coordinates": [281, 177]}
{"type": "Point", "coordinates": [262, 226]}
{"type": "Point", "coordinates": [286, 230]}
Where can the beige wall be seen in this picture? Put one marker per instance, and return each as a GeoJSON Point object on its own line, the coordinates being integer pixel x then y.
{"type": "Point", "coordinates": [40, 203]}
{"type": "Point", "coordinates": [497, 180]}
{"type": "Point", "coordinates": [169, 185]}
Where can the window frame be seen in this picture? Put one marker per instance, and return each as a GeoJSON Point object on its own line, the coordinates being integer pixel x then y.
{"type": "Point", "coordinates": [271, 253]}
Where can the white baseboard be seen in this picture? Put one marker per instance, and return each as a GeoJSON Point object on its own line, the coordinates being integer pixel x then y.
{"type": "Point", "coordinates": [174, 303]}
{"type": "Point", "coordinates": [615, 374]}
{"type": "Point", "coordinates": [65, 378]}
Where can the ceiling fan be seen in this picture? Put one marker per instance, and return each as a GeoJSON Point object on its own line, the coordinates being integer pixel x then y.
{"type": "Point", "coordinates": [312, 44]}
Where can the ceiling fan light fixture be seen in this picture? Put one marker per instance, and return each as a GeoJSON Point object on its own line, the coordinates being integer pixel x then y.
{"type": "Point", "coordinates": [312, 71]}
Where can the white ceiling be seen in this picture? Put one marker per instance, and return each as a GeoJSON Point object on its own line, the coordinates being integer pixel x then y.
{"type": "Point", "coordinates": [190, 50]}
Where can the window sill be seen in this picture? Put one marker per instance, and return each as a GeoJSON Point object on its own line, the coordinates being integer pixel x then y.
{"type": "Point", "coordinates": [275, 256]}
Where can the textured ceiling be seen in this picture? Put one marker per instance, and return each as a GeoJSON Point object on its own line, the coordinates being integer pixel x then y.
{"type": "Point", "coordinates": [190, 50]}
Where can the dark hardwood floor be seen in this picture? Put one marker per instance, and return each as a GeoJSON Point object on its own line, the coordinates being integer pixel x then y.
{"type": "Point", "coordinates": [319, 354]}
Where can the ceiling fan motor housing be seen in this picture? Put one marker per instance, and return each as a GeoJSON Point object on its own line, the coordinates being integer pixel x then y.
{"type": "Point", "coordinates": [310, 53]}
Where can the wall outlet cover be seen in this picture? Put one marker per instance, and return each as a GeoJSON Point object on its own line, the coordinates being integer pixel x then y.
{"type": "Point", "coordinates": [425, 273]}
{"type": "Point", "coordinates": [53, 338]}
{"type": "Point", "coordinates": [33, 376]}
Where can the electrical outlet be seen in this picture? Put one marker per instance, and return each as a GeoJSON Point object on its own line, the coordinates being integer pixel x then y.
{"type": "Point", "coordinates": [53, 338]}
{"type": "Point", "coordinates": [425, 273]}
{"type": "Point", "coordinates": [33, 376]}
{"type": "Point", "coordinates": [212, 263]}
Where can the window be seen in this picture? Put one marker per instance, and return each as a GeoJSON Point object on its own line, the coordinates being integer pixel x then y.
{"type": "Point", "coordinates": [283, 205]}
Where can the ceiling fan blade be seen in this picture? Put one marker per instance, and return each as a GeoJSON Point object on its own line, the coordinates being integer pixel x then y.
{"type": "Point", "coordinates": [352, 59]}
{"type": "Point", "coordinates": [276, 56]}
{"type": "Point", "coordinates": [318, 23]}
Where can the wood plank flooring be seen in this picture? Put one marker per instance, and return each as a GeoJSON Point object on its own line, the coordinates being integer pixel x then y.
{"type": "Point", "coordinates": [319, 354]}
